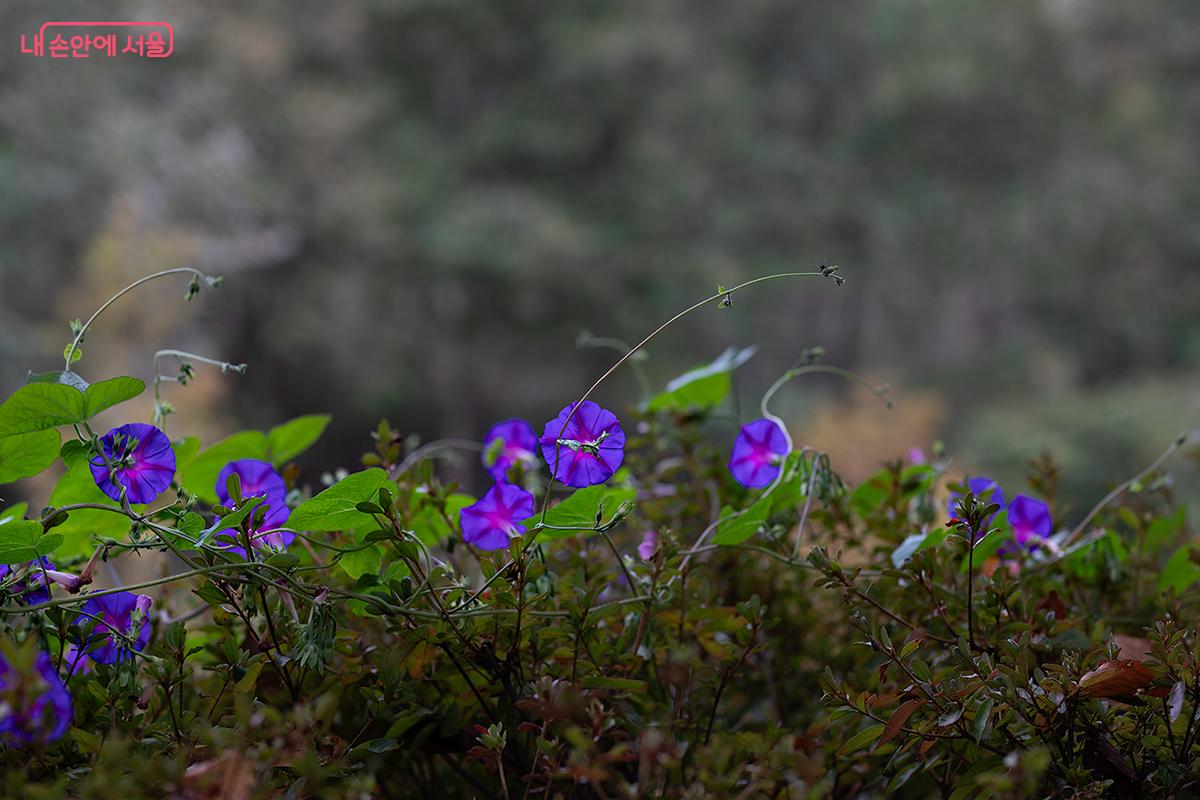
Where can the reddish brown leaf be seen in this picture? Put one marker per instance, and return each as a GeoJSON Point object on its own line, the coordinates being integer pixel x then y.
{"type": "Point", "coordinates": [897, 720]}
{"type": "Point", "coordinates": [1118, 678]}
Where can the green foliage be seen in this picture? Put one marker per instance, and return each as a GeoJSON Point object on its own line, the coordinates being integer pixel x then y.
{"type": "Point", "coordinates": [362, 560]}
{"type": "Point", "coordinates": [1182, 570]}
{"type": "Point", "coordinates": [702, 671]}
{"type": "Point", "coordinates": [39, 406]}
{"type": "Point", "coordinates": [583, 512]}
{"type": "Point", "coordinates": [702, 388]}
{"type": "Point", "coordinates": [199, 476]}
{"type": "Point", "coordinates": [286, 441]}
{"type": "Point", "coordinates": [279, 445]}
{"type": "Point", "coordinates": [82, 526]}
{"type": "Point", "coordinates": [22, 540]}
{"type": "Point", "coordinates": [805, 639]}
{"type": "Point", "coordinates": [336, 508]}
{"type": "Point", "coordinates": [27, 454]}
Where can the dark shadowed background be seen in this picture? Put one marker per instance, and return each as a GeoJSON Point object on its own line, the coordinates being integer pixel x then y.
{"type": "Point", "coordinates": [418, 206]}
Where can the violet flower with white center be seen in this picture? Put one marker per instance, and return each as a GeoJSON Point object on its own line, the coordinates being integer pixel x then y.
{"type": "Point", "coordinates": [118, 617]}
{"type": "Point", "coordinates": [142, 463]}
{"type": "Point", "coordinates": [758, 453]}
{"type": "Point", "coordinates": [507, 444]}
{"type": "Point", "coordinates": [495, 518]}
{"type": "Point", "coordinates": [588, 450]}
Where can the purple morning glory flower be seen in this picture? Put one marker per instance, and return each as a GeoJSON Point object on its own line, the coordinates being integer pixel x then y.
{"type": "Point", "coordinates": [34, 707]}
{"type": "Point", "coordinates": [258, 479]}
{"type": "Point", "coordinates": [119, 612]}
{"type": "Point", "coordinates": [518, 445]}
{"type": "Point", "coordinates": [588, 450]}
{"type": "Point", "coordinates": [32, 589]}
{"type": "Point", "coordinates": [758, 453]}
{"type": "Point", "coordinates": [648, 546]}
{"type": "Point", "coordinates": [75, 660]}
{"type": "Point", "coordinates": [986, 489]}
{"type": "Point", "coordinates": [495, 518]}
{"type": "Point", "coordinates": [143, 459]}
{"type": "Point", "coordinates": [1030, 520]}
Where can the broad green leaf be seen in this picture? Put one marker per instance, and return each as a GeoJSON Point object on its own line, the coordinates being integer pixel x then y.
{"type": "Point", "coordinates": [861, 739]}
{"type": "Point", "coordinates": [429, 525]}
{"type": "Point", "coordinates": [580, 509]}
{"type": "Point", "coordinates": [373, 747]}
{"type": "Point", "coordinates": [200, 476]}
{"type": "Point", "coordinates": [48, 542]}
{"type": "Point", "coordinates": [867, 496]}
{"type": "Point", "coordinates": [457, 502]}
{"type": "Point", "coordinates": [39, 406]}
{"type": "Point", "coordinates": [104, 395]}
{"type": "Point", "coordinates": [736, 530]}
{"type": "Point", "coordinates": [186, 451]}
{"type": "Point", "coordinates": [402, 723]}
{"type": "Point", "coordinates": [1103, 553]}
{"type": "Point", "coordinates": [1162, 531]}
{"type": "Point", "coordinates": [286, 441]}
{"type": "Point", "coordinates": [357, 563]}
{"type": "Point", "coordinates": [1180, 572]}
{"type": "Point", "coordinates": [191, 527]}
{"type": "Point", "coordinates": [335, 508]}
{"type": "Point", "coordinates": [192, 524]}
{"type": "Point", "coordinates": [917, 478]}
{"type": "Point", "coordinates": [19, 540]}
{"type": "Point", "coordinates": [13, 513]}
{"type": "Point", "coordinates": [27, 454]}
{"type": "Point", "coordinates": [704, 387]}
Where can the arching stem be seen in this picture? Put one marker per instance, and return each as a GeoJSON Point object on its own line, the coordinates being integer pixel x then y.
{"type": "Point", "coordinates": [724, 294]}
{"type": "Point", "coordinates": [197, 276]}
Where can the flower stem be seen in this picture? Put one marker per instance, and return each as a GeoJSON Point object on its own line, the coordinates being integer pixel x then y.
{"type": "Point", "coordinates": [195, 273]}
{"type": "Point", "coordinates": [725, 293]}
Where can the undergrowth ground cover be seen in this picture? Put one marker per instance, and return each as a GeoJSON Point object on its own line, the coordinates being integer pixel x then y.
{"type": "Point", "coordinates": [657, 599]}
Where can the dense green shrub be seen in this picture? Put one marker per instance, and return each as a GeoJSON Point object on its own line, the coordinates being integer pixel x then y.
{"type": "Point", "coordinates": [665, 631]}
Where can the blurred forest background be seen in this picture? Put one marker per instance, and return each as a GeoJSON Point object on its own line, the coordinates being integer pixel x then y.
{"type": "Point", "coordinates": [418, 205]}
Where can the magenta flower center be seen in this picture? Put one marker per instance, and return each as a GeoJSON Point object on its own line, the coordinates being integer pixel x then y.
{"type": "Point", "coordinates": [107, 619]}
{"type": "Point", "coordinates": [762, 455]}
{"type": "Point", "coordinates": [501, 519]}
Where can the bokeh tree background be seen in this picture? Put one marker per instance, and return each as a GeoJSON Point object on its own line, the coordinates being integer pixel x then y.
{"type": "Point", "coordinates": [419, 204]}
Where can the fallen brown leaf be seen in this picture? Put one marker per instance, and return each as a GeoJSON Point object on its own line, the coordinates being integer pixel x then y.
{"type": "Point", "coordinates": [1119, 678]}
